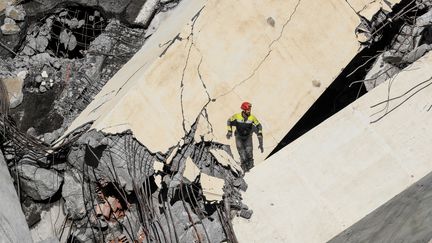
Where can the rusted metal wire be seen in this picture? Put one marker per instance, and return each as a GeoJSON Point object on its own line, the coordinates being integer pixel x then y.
{"type": "Point", "coordinates": [198, 237]}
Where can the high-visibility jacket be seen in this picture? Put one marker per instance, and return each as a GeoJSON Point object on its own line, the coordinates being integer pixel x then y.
{"type": "Point", "coordinates": [244, 126]}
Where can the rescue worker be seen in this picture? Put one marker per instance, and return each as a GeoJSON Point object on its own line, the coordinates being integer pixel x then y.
{"type": "Point", "coordinates": [245, 124]}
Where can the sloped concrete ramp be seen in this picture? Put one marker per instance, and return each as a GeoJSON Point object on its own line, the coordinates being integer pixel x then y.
{"type": "Point", "coordinates": [346, 167]}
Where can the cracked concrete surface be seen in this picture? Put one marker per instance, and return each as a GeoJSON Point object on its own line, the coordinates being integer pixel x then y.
{"type": "Point", "coordinates": [217, 59]}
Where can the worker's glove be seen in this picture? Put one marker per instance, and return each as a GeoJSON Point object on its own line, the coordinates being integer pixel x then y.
{"type": "Point", "coordinates": [260, 146]}
{"type": "Point", "coordinates": [229, 134]}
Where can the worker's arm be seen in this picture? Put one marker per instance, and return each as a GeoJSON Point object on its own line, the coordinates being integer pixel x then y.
{"type": "Point", "coordinates": [258, 128]}
{"type": "Point", "coordinates": [229, 126]}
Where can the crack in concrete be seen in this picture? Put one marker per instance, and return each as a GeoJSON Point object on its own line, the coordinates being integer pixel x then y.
{"type": "Point", "coordinates": [206, 116]}
{"type": "Point", "coordinates": [189, 37]}
{"type": "Point", "coordinates": [353, 9]}
{"type": "Point", "coordinates": [130, 78]}
{"type": "Point", "coordinates": [202, 80]}
{"type": "Point", "coordinates": [268, 53]}
{"type": "Point", "coordinates": [182, 87]}
{"type": "Point", "coordinates": [169, 43]}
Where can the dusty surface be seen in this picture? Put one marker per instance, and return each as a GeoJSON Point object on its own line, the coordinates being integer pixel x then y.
{"type": "Point", "coordinates": [406, 217]}
{"type": "Point", "coordinates": [346, 167]}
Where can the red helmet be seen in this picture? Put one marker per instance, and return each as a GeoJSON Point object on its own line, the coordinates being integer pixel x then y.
{"type": "Point", "coordinates": [245, 106]}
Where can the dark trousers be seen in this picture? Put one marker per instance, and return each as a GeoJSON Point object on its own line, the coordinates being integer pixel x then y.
{"type": "Point", "coordinates": [245, 150]}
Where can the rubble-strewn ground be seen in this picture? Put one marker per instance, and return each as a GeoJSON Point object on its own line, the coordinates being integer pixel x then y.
{"type": "Point", "coordinates": [110, 187]}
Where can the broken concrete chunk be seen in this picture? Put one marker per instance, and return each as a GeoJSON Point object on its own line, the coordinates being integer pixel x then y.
{"type": "Point", "coordinates": [9, 21]}
{"type": "Point", "coordinates": [379, 73]}
{"type": "Point", "coordinates": [42, 58]}
{"type": "Point", "coordinates": [158, 166]}
{"type": "Point", "coordinates": [15, 12]}
{"type": "Point", "coordinates": [72, 43]}
{"type": "Point", "coordinates": [73, 23]}
{"type": "Point", "coordinates": [240, 183]}
{"type": "Point", "coordinates": [363, 37]}
{"type": "Point", "coordinates": [62, 14]}
{"type": "Point", "coordinates": [51, 220]}
{"type": "Point", "coordinates": [246, 213]}
{"type": "Point", "coordinates": [44, 74]}
{"type": "Point", "coordinates": [42, 88]}
{"type": "Point", "coordinates": [225, 159]}
{"type": "Point", "coordinates": [212, 187]}
{"type": "Point", "coordinates": [425, 19]}
{"type": "Point", "coordinates": [38, 79]}
{"type": "Point", "coordinates": [10, 29]}
{"type": "Point", "coordinates": [68, 40]}
{"type": "Point", "coordinates": [28, 51]}
{"type": "Point", "coordinates": [52, 136]}
{"type": "Point", "coordinates": [191, 170]}
{"type": "Point", "coordinates": [3, 5]}
{"type": "Point", "coordinates": [113, 6]}
{"type": "Point", "coordinates": [415, 54]}
{"type": "Point", "coordinates": [41, 43]}
{"type": "Point", "coordinates": [56, 65]}
{"type": "Point", "coordinates": [73, 194]}
{"type": "Point", "coordinates": [81, 23]}
{"type": "Point", "coordinates": [38, 183]}
{"type": "Point", "coordinates": [14, 87]}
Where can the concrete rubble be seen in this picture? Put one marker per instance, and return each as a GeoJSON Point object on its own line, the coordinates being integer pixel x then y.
{"type": "Point", "coordinates": [10, 27]}
{"type": "Point", "coordinates": [38, 183]}
{"type": "Point", "coordinates": [113, 112]}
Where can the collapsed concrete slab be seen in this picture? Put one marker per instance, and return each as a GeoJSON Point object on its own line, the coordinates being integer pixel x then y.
{"type": "Point", "coordinates": [209, 56]}
{"type": "Point", "coordinates": [212, 187]}
{"type": "Point", "coordinates": [346, 167]}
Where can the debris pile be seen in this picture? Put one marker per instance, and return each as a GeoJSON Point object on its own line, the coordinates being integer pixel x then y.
{"type": "Point", "coordinates": [139, 194]}
{"type": "Point", "coordinates": [112, 188]}
{"type": "Point", "coordinates": [402, 34]}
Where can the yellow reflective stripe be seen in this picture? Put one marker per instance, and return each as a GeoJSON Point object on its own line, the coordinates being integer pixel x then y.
{"type": "Point", "coordinates": [229, 128]}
